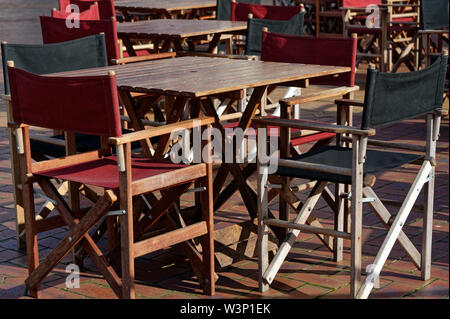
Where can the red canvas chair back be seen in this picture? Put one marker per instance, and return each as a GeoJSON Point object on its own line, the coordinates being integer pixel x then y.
{"type": "Point", "coordinates": [278, 47]}
{"type": "Point", "coordinates": [90, 14]}
{"type": "Point", "coordinates": [88, 105]}
{"type": "Point", "coordinates": [240, 11]}
{"type": "Point", "coordinates": [54, 30]}
{"type": "Point", "coordinates": [359, 3]}
{"type": "Point", "coordinates": [106, 7]}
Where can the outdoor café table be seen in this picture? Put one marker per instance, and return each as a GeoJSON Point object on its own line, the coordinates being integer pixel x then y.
{"type": "Point", "coordinates": [197, 80]}
{"type": "Point", "coordinates": [165, 8]}
{"type": "Point", "coordinates": [172, 32]}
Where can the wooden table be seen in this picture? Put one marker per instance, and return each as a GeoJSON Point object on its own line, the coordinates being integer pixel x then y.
{"type": "Point", "coordinates": [197, 80]}
{"type": "Point", "coordinates": [166, 9]}
{"type": "Point", "coordinates": [171, 33]}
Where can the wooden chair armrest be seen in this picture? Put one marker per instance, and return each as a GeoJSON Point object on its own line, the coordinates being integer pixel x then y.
{"type": "Point", "coordinates": [147, 57]}
{"type": "Point", "coordinates": [441, 112]}
{"type": "Point", "coordinates": [399, 5]}
{"type": "Point", "coordinates": [303, 124]}
{"type": "Point", "coordinates": [5, 97]}
{"type": "Point", "coordinates": [405, 23]}
{"type": "Point", "coordinates": [213, 55]}
{"type": "Point", "coordinates": [15, 125]}
{"type": "Point", "coordinates": [433, 31]}
{"type": "Point", "coordinates": [317, 96]}
{"type": "Point", "coordinates": [390, 144]}
{"type": "Point", "coordinates": [347, 102]}
{"type": "Point", "coordinates": [161, 130]}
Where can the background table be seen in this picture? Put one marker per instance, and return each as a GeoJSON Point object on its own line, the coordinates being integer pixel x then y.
{"type": "Point", "coordinates": [169, 9]}
{"type": "Point", "coordinates": [171, 33]}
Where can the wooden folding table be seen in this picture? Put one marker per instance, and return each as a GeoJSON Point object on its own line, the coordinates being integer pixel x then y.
{"type": "Point", "coordinates": [166, 9]}
{"type": "Point", "coordinates": [166, 34]}
{"type": "Point", "coordinates": [197, 80]}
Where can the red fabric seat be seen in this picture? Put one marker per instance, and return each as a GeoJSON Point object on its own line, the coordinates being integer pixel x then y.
{"type": "Point", "coordinates": [104, 173]}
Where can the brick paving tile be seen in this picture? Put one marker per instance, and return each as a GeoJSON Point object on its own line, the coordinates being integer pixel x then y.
{"type": "Point", "coordinates": [306, 291]}
{"type": "Point", "coordinates": [436, 289]}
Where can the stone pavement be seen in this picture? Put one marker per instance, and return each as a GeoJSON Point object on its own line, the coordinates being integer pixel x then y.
{"type": "Point", "coordinates": [309, 271]}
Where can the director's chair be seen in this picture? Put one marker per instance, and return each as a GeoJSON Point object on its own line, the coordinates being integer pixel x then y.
{"type": "Point", "coordinates": [90, 105]}
{"type": "Point", "coordinates": [385, 103]}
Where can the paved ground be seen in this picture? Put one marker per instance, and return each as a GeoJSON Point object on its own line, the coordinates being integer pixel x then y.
{"type": "Point", "coordinates": [309, 272]}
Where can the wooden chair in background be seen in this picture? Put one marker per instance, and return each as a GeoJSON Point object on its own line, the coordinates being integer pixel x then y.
{"type": "Point", "coordinates": [92, 13]}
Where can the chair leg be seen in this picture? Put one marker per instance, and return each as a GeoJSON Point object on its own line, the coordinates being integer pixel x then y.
{"type": "Point", "coordinates": [338, 223]}
{"type": "Point", "coordinates": [16, 179]}
{"type": "Point", "coordinates": [427, 230]}
{"type": "Point", "coordinates": [127, 251]}
{"type": "Point", "coordinates": [356, 216]}
{"type": "Point", "coordinates": [31, 235]}
{"type": "Point", "coordinates": [207, 241]}
{"type": "Point", "coordinates": [263, 230]}
{"type": "Point", "coordinates": [429, 200]}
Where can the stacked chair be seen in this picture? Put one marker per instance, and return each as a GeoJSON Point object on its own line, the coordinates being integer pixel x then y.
{"type": "Point", "coordinates": [434, 29]}
{"type": "Point", "coordinates": [90, 105]}
{"type": "Point", "coordinates": [356, 165]}
{"type": "Point", "coordinates": [390, 43]}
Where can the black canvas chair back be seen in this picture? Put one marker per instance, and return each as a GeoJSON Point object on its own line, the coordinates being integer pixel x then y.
{"type": "Point", "coordinates": [293, 26]}
{"type": "Point", "coordinates": [223, 9]}
{"type": "Point", "coordinates": [434, 14]}
{"type": "Point", "coordinates": [394, 97]}
{"type": "Point", "coordinates": [83, 53]}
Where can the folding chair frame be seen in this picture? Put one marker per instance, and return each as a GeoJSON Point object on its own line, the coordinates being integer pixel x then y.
{"type": "Point", "coordinates": [361, 192]}
{"type": "Point", "coordinates": [80, 222]}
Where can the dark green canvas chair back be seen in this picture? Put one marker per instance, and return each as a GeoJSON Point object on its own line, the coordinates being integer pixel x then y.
{"type": "Point", "coordinates": [394, 97]}
{"type": "Point", "coordinates": [293, 26]}
{"type": "Point", "coordinates": [434, 14]}
{"type": "Point", "coordinates": [83, 53]}
{"type": "Point", "coordinates": [223, 9]}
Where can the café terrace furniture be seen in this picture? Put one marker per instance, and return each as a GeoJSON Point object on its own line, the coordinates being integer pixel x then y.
{"type": "Point", "coordinates": [394, 41]}
{"type": "Point", "coordinates": [389, 99]}
{"type": "Point", "coordinates": [90, 105]}
{"type": "Point", "coordinates": [165, 9]}
{"type": "Point", "coordinates": [167, 34]}
{"type": "Point", "coordinates": [197, 80]}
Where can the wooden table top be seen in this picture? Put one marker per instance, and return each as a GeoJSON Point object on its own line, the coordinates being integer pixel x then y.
{"type": "Point", "coordinates": [204, 76]}
{"type": "Point", "coordinates": [179, 27]}
{"type": "Point", "coordinates": [167, 5]}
